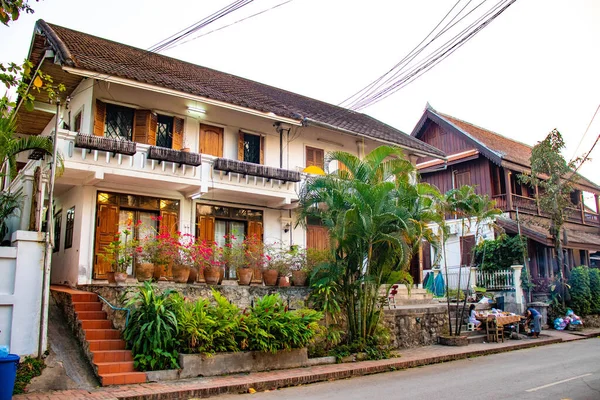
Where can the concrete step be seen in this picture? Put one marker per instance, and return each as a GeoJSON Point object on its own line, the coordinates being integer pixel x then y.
{"type": "Point", "coordinates": [102, 334]}
{"type": "Point", "coordinates": [122, 378]}
{"type": "Point", "coordinates": [114, 367]}
{"type": "Point", "coordinates": [96, 324]}
{"type": "Point", "coordinates": [88, 315]}
{"type": "Point", "coordinates": [105, 345]}
{"type": "Point", "coordinates": [111, 356]}
{"type": "Point", "coordinates": [81, 297]}
{"type": "Point", "coordinates": [87, 306]}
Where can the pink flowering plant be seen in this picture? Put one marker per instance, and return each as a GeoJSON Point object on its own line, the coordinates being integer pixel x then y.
{"type": "Point", "coordinates": [202, 254]}
{"type": "Point", "coordinates": [119, 253]}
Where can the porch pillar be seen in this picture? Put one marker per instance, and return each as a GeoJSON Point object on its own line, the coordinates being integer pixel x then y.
{"type": "Point", "coordinates": [519, 300]}
{"type": "Point", "coordinates": [27, 202]}
{"type": "Point", "coordinates": [537, 203]}
{"type": "Point", "coordinates": [597, 203]}
{"type": "Point", "coordinates": [547, 268]}
{"type": "Point", "coordinates": [508, 187]}
{"type": "Point", "coordinates": [582, 207]}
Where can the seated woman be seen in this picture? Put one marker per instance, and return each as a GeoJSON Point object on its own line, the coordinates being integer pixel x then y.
{"type": "Point", "coordinates": [472, 319]}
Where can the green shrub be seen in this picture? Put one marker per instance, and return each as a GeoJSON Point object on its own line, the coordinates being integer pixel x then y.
{"type": "Point", "coordinates": [595, 289]}
{"type": "Point", "coordinates": [500, 253]}
{"type": "Point", "coordinates": [581, 295]}
{"type": "Point", "coordinates": [152, 329]}
{"type": "Point", "coordinates": [27, 370]}
{"type": "Point", "coordinates": [271, 327]}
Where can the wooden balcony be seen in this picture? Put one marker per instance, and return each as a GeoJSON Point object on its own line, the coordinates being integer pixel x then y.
{"type": "Point", "coordinates": [528, 205]}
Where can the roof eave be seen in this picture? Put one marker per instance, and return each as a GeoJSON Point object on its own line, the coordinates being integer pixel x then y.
{"type": "Point", "coordinates": [58, 45]}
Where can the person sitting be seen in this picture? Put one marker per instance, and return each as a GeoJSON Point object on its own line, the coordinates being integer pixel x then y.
{"type": "Point", "coordinates": [472, 318]}
{"type": "Point", "coordinates": [533, 315]}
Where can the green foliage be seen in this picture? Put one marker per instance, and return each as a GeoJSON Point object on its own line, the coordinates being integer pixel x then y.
{"type": "Point", "coordinates": [10, 10]}
{"type": "Point", "coordinates": [271, 327]}
{"type": "Point", "coordinates": [376, 216]}
{"type": "Point", "coordinates": [9, 204]}
{"type": "Point", "coordinates": [28, 369]}
{"type": "Point", "coordinates": [595, 290]}
{"type": "Point", "coordinates": [374, 348]}
{"type": "Point", "coordinates": [581, 295]}
{"type": "Point", "coordinates": [152, 330]}
{"type": "Point", "coordinates": [500, 253]}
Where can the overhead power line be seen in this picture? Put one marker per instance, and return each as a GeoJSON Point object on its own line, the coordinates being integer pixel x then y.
{"type": "Point", "coordinates": [585, 133]}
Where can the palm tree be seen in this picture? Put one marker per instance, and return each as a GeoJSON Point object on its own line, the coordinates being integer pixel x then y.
{"type": "Point", "coordinates": [371, 227]}
{"type": "Point", "coordinates": [11, 145]}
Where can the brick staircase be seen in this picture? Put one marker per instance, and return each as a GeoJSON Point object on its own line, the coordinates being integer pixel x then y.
{"type": "Point", "coordinates": [102, 344]}
{"type": "Point", "coordinates": [416, 296]}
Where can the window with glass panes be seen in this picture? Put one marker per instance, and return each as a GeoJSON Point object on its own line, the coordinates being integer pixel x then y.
{"type": "Point", "coordinates": [164, 131]}
{"type": "Point", "coordinates": [252, 148]}
{"type": "Point", "coordinates": [119, 122]}
{"type": "Point", "coordinates": [69, 228]}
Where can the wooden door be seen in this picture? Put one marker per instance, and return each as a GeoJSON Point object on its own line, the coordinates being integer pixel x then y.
{"type": "Point", "coordinates": [168, 225]}
{"type": "Point", "coordinates": [255, 229]}
{"type": "Point", "coordinates": [317, 237]}
{"type": "Point", "coordinates": [467, 243]}
{"type": "Point", "coordinates": [107, 226]}
{"type": "Point", "coordinates": [177, 143]}
{"type": "Point", "coordinates": [99, 118]}
{"type": "Point", "coordinates": [211, 140]}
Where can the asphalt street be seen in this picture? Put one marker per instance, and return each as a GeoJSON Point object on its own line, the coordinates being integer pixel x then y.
{"type": "Point", "coordinates": [561, 371]}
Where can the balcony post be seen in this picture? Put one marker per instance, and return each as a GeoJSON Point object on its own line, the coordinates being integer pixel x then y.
{"type": "Point", "coordinates": [509, 203]}
{"type": "Point", "coordinates": [597, 205]}
{"type": "Point", "coordinates": [582, 207]}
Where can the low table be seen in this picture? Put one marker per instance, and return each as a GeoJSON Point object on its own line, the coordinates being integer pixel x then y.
{"type": "Point", "coordinates": [501, 320]}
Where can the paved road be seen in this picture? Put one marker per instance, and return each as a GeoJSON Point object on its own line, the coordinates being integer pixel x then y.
{"type": "Point", "coordinates": [561, 371]}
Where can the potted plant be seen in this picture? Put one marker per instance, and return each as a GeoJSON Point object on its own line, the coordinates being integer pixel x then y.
{"type": "Point", "coordinates": [213, 263]}
{"type": "Point", "coordinates": [180, 257]}
{"type": "Point", "coordinates": [274, 263]}
{"type": "Point", "coordinates": [248, 257]}
{"type": "Point", "coordinates": [304, 263]}
{"type": "Point", "coordinates": [196, 252]}
{"type": "Point", "coordinates": [119, 253]}
{"type": "Point", "coordinates": [156, 251]}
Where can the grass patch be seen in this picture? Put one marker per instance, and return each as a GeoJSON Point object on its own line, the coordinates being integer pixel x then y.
{"type": "Point", "coordinates": [27, 370]}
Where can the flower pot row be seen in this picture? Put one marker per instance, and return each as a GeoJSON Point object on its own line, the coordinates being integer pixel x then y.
{"type": "Point", "coordinates": [210, 275]}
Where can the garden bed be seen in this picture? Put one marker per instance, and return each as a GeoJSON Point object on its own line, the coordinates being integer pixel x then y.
{"type": "Point", "coordinates": [453, 340]}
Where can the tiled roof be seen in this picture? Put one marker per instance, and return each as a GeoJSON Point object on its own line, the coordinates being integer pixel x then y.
{"type": "Point", "coordinates": [92, 53]}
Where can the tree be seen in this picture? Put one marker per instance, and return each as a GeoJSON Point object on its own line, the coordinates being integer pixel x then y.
{"type": "Point", "coordinates": [370, 226]}
{"type": "Point", "coordinates": [554, 177]}
{"type": "Point", "coordinates": [10, 10]}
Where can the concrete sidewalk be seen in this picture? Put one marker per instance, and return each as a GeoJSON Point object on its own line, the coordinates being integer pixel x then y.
{"type": "Point", "coordinates": [241, 383]}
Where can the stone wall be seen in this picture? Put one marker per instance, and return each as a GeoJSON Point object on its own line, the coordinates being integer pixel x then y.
{"type": "Point", "coordinates": [591, 321]}
{"type": "Point", "coordinates": [242, 296]}
{"type": "Point", "coordinates": [416, 326]}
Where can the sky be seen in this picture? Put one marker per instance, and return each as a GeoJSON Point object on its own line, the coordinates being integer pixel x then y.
{"type": "Point", "coordinates": [534, 68]}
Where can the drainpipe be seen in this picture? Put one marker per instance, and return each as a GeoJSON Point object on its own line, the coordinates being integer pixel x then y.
{"type": "Point", "coordinates": [43, 333]}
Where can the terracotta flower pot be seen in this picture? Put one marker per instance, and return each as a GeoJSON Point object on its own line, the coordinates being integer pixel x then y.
{"type": "Point", "coordinates": [160, 271]}
{"type": "Point", "coordinates": [181, 273]}
{"type": "Point", "coordinates": [212, 275]}
{"type": "Point", "coordinates": [110, 276]}
{"type": "Point", "coordinates": [299, 278]}
{"type": "Point", "coordinates": [284, 281]}
{"type": "Point", "coordinates": [245, 276]}
{"type": "Point", "coordinates": [270, 277]}
{"type": "Point", "coordinates": [144, 271]}
{"type": "Point", "coordinates": [193, 276]}
{"type": "Point", "coordinates": [120, 277]}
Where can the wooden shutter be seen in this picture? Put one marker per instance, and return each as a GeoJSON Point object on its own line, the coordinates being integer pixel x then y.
{"type": "Point", "coordinates": [206, 228]}
{"type": "Point", "coordinates": [144, 127]}
{"type": "Point", "coordinates": [241, 146]}
{"type": "Point", "coordinates": [315, 157]}
{"type": "Point", "coordinates": [211, 140]}
{"type": "Point", "coordinates": [255, 229]}
{"type": "Point", "coordinates": [426, 251]}
{"type": "Point", "coordinates": [262, 149]}
{"type": "Point", "coordinates": [177, 133]}
{"type": "Point", "coordinates": [463, 178]}
{"type": "Point", "coordinates": [99, 118]}
{"type": "Point", "coordinates": [317, 237]}
{"type": "Point", "coordinates": [342, 167]}
{"type": "Point", "coordinates": [107, 226]}
{"type": "Point", "coordinates": [466, 248]}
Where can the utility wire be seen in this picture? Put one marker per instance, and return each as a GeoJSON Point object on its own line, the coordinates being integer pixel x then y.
{"type": "Point", "coordinates": [585, 133]}
{"type": "Point", "coordinates": [228, 25]}
{"type": "Point", "coordinates": [424, 66]}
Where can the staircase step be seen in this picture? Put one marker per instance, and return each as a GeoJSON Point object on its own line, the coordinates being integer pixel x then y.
{"type": "Point", "coordinates": [102, 334]}
{"type": "Point", "coordinates": [96, 324]}
{"type": "Point", "coordinates": [88, 315]}
{"type": "Point", "coordinates": [83, 297]}
{"type": "Point", "coordinates": [123, 378]}
{"type": "Point", "coordinates": [477, 338]}
{"type": "Point", "coordinates": [114, 367]}
{"type": "Point", "coordinates": [112, 356]}
{"type": "Point", "coordinates": [105, 345]}
{"type": "Point", "coordinates": [88, 306]}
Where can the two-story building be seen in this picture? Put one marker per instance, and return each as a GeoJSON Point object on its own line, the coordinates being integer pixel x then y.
{"type": "Point", "coordinates": [492, 163]}
{"type": "Point", "coordinates": [145, 136]}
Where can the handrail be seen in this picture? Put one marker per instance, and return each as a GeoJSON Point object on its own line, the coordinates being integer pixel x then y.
{"type": "Point", "coordinates": [117, 309]}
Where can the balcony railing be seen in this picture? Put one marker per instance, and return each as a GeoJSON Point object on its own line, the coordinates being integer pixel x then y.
{"type": "Point", "coordinates": [528, 205]}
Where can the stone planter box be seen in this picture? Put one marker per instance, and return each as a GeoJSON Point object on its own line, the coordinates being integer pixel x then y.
{"type": "Point", "coordinates": [453, 340]}
{"type": "Point", "coordinates": [175, 156]}
{"type": "Point", "coordinates": [194, 365]}
{"type": "Point", "coordinates": [91, 142]}
{"type": "Point", "coordinates": [162, 375]}
{"type": "Point", "coordinates": [263, 171]}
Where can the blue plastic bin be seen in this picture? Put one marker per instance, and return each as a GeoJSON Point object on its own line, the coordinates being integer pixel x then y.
{"type": "Point", "coordinates": [8, 374]}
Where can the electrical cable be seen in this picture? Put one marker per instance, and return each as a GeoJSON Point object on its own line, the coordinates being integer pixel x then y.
{"type": "Point", "coordinates": [585, 133]}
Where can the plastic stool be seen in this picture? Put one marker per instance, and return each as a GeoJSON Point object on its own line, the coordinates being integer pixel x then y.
{"type": "Point", "coordinates": [470, 327]}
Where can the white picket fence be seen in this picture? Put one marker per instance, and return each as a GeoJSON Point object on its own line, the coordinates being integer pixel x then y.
{"type": "Point", "coordinates": [495, 280]}
{"type": "Point", "coordinates": [453, 275]}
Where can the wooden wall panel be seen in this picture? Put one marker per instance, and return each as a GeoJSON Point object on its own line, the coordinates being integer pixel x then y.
{"type": "Point", "coordinates": [479, 171]}
{"type": "Point", "coordinates": [448, 142]}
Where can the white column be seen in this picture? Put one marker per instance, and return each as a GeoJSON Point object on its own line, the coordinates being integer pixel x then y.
{"type": "Point", "coordinates": [473, 278]}
{"type": "Point", "coordinates": [27, 202]}
{"type": "Point", "coordinates": [518, 288]}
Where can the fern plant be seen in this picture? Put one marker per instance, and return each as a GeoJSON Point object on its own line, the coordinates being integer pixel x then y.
{"type": "Point", "coordinates": [152, 329]}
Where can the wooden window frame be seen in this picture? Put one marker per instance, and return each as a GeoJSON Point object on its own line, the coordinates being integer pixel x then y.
{"type": "Point", "coordinates": [221, 133]}
{"type": "Point", "coordinates": [69, 227]}
{"type": "Point", "coordinates": [316, 150]}
{"type": "Point", "coordinates": [463, 240]}
{"type": "Point", "coordinates": [57, 229]}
